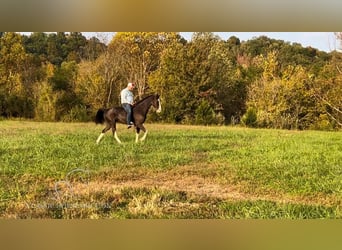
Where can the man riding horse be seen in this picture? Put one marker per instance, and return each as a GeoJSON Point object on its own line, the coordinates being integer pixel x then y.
{"type": "Point", "coordinates": [110, 116]}
{"type": "Point", "coordinates": [127, 100]}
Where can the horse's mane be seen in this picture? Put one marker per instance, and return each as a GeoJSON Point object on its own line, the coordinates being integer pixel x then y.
{"type": "Point", "coordinates": [142, 100]}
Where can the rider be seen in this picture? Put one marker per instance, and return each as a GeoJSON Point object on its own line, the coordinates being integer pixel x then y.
{"type": "Point", "coordinates": [127, 100]}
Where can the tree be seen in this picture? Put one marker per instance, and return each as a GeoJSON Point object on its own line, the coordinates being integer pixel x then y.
{"type": "Point", "coordinates": [46, 103]}
{"type": "Point", "coordinates": [57, 48]}
{"type": "Point", "coordinates": [13, 60]}
{"type": "Point", "coordinates": [138, 54]}
{"type": "Point", "coordinates": [282, 99]}
{"type": "Point", "coordinates": [75, 45]}
{"type": "Point", "coordinates": [95, 83]}
{"type": "Point", "coordinates": [170, 81]}
{"type": "Point", "coordinates": [327, 91]}
{"type": "Point", "coordinates": [37, 44]}
{"type": "Point", "coordinates": [93, 49]}
{"type": "Point", "coordinates": [195, 74]}
{"type": "Point", "coordinates": [12, 54]}
{"type": "Point", "coordinates": [63, 82]}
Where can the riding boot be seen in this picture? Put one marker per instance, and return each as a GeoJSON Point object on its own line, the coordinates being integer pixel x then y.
{"type": "Point", "coordinates": [130, 124]}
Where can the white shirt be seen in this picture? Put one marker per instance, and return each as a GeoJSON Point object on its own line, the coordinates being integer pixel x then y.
{"type": "Point", "coordinates": [126, 96]}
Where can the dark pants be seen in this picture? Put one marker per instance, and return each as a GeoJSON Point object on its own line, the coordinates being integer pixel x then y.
{"type": "Point", "coordinates": [128, 108]}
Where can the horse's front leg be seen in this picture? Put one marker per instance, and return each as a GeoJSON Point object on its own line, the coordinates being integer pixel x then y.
{"type": "Point", "coordinates": [115, 134]}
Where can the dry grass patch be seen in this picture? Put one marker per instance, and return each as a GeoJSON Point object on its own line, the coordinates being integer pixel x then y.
{"type": "Point", "coordinates": [195, 186]}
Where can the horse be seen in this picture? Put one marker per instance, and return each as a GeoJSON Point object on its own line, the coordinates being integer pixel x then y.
{"type": "Point", "coordinates": [110, 116]}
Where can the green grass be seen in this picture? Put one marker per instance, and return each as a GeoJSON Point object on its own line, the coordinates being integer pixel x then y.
{"type": "Point", "coordinates": [178, 172]}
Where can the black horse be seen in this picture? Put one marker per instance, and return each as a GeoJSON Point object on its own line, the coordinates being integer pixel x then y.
{"type": "Point", "coordinates": [113, 115]}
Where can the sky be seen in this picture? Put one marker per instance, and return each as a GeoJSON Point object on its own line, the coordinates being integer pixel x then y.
{"type": "Point", "coordinates": [324, 41]}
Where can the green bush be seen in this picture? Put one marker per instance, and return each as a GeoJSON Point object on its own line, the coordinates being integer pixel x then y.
{"type": "Point", "coordinates": [249, 119]}
{"type": "Point", "coordinates": [322, 123]}
{"type": "Point", "coordinates": [78, 113]}
{"type": "Point", "coordinates": [205, 115]}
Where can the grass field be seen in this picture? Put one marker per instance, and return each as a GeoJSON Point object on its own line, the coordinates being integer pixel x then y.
{"type": "Point", "coordinates": [56, 170]}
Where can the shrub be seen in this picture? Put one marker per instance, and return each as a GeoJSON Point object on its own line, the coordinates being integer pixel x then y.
{"type": "Point", "coordinates": [205, 115]}
{"type": "Point", "coordinates": [249, 119]}
{"type": "Point", "coordinates": [78, 113]}
{"type": "Point", "coordinates": [322, 123]}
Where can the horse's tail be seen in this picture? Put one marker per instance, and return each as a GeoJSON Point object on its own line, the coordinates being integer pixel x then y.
{"type": "Point", "coordinates": [99, 118]}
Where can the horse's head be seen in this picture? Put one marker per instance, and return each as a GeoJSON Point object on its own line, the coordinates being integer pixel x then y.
{"type": "Point", "coordinates": [156, 103]}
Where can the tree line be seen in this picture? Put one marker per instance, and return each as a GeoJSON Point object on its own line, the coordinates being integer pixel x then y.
{"type": "Point", "coordinates": [261, 82]}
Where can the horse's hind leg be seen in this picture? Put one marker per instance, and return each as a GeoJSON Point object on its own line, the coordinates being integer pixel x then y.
{"type": "Point", "coordinates": [144, 136]}
{"type": "Point", "coordinates": [115, 134]}
{"type": "Point", "coordinates": [102, 133]}
{"type": "Point", "coordinates": [137, 134]}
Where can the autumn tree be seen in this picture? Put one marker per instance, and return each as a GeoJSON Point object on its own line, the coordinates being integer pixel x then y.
{"type": "Point", "coordinates": [327, 91]}
{"type": "Point", "coordinates": [282, 99]}
{"type": "Point", "coordinates": [194, 79]}
{"type": "Point", "coordinates": [95, 83]}
{"type": "Point", "coordinates": [267, 82]}
{"type": "Point", "coordinates": [138, 54]}
{"type": "Point", "coordinates": [13, 60]}
{"type": "Point", "coordinates": [174, 84]}
{"type": "Point", "coordinates": [93, 49]}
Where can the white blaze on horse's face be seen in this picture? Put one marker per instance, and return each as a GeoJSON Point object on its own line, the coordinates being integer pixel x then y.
{"type": "Point", "coordinates": [159, 106]}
